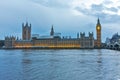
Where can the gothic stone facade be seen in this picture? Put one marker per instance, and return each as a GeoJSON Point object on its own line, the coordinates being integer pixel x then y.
{"type": "Point", "coordinates": [55, 42]}
{"type": "Point", "coordinates": [82, 42]}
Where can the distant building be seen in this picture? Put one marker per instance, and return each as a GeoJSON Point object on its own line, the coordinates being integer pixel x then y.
{"type": "Point", "coordinates": [35, 36]}
{"type": "Point", "coordinates": [26, 31]}
{"type": "Point", "coordinates": [113, 42]}
{"type": "Point", "coordinates": [54, 40]}
{"type": "Point", "coordinates": [107, 41]}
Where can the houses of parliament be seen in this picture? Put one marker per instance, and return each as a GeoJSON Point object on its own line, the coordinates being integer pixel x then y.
{"type": "Point", "coordinates": [54, 40]}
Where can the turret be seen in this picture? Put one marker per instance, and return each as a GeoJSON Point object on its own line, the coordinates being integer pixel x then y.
{"type": "Point", "coordinates": [26, 31]}
{"type": "Point", "coordinates": [91, 35]}
{"type": "Point", "coordinates": [77, 35]}
{"type": "Point", "coordinates": [52, 31]}
{"type": "Point", "coordinates": [82, 35]}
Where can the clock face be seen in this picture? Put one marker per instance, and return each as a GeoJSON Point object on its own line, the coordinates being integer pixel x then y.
{"type": "Point", "coordinates": [98, 28]}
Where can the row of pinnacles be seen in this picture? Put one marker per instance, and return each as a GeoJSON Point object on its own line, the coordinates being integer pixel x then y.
{"type": "Point", "coordinates": [83, 35]}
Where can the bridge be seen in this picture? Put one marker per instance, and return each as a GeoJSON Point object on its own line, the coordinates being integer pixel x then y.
{"type": "Point", "coordinates": [114, 46]}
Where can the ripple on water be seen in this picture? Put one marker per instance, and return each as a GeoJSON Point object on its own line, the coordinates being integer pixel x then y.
{"type": "Point", "coordinates": [59, 65]}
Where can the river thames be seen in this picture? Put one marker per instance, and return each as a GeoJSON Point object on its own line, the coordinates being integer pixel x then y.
{"type": "Point", "coordinates": [60, 64]}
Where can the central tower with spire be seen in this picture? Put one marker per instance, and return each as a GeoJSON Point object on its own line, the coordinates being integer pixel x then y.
{"type": "Point", "coordinates": [52, 31]}
{"type": "Point", "coordinates": [98, 35]}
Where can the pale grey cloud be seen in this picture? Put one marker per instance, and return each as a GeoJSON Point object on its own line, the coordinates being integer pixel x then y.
{"type": "Point", "coordinates": [113, 9]}
{"type": "Point", "coordinates": [68, 16]}
{"type": "Point", "coordinates": [53, 3]}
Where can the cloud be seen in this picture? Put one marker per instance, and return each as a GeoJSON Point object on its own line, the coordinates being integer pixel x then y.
{"type": "Point", "coordinates": [97, 7]}
{"type": "Point", "coordinates": [113, 9]}
{"type": "Point", "coordinates": [91, 7]}
{"type": "Point", "coordinates": [53, 3]}
{"type": "Point", "coordinates": [67, 16]}
{"type": "Point", "coordinates": [94, 8]}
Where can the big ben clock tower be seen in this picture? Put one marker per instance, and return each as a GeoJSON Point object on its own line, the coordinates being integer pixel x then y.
{"type": "Point", "coordinates": [98, 30]}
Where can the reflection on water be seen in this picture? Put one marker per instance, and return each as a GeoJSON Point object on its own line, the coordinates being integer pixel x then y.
{"type": "Point", "coordinates": [59, 65]}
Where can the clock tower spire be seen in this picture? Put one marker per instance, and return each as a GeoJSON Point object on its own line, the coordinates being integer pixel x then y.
{"type": "Point", "coordinates": [98, 35]}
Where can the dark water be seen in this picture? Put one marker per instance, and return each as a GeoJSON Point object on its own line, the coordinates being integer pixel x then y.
{"type": "Point", "coordinates": [59, 65]}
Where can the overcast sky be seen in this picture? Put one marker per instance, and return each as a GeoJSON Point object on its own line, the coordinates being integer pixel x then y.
{"type": "Point", "coordinates": [67, 16]}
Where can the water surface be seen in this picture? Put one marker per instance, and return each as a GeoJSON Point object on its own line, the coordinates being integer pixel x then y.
{"type": "Point", "coordinates": [59, 65]}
